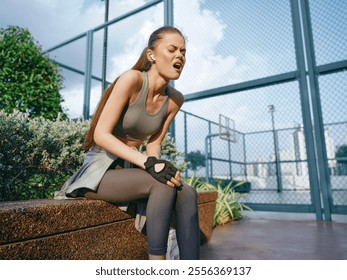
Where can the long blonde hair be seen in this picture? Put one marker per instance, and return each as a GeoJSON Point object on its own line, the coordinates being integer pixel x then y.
{"type": "Point", "coordinates": [142, 64]}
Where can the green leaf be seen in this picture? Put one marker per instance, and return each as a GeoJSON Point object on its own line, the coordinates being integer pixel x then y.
{"type": "Point", "coordinates": [29, 81]}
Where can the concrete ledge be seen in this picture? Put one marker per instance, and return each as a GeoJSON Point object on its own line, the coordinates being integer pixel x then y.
{"type": "Point", "coordinates": [36, 218]}
{"type": "Point", "coordinates": [207, 208]}
{"type": "Point", "coordinates": [79, 229]}
{"type": "Point", "coordinates": [96, 243]}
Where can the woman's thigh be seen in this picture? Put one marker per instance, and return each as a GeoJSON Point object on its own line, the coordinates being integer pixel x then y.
{"type": "Point", "coordinates": [123, 185]}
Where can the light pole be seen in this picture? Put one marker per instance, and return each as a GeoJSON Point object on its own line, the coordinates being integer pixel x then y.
{"type": "Point", "coordinates": [104, 53]}
{"type": "Point", "coordinates": [278, 168]}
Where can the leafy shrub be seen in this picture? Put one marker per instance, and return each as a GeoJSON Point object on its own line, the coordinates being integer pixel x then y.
{"type": "Point", "coordinates": [196, 160]}
{"type": "Point", "coordinates": [228, 205]}
{"type": "Point", "coordinates": [38, 155]}
{"type": "Point", "coordinates": [29, 80]}
{"type": "Point", "coordinates": [238, 186]}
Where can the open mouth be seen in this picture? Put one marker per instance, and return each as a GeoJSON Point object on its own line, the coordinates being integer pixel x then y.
{"type": "Point", "coordinates": [178, 66]}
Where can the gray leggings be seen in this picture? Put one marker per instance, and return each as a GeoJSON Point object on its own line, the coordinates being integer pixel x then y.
{"type": "Point", "coordinates": [123, 185]}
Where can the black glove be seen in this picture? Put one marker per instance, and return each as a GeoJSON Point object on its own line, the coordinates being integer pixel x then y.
{"type": "Point", "coordinates": [165, 174]}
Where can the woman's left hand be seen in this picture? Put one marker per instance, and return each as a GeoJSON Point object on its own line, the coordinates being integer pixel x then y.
{"type": "Point", "coordinates": [176, 182]}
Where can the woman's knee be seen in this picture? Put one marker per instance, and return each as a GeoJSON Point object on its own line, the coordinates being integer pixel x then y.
{"type": "Point", "coordinates": [158, 186]}
{"type": "Point", "coordinates": [189, 192]}
{"type": "Point", "coordinates": [162, 194]}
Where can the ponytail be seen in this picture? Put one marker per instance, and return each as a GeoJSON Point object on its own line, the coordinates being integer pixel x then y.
{"type": "Point", "coordinates": [142, 64]}
{"type": "Point", "coordinates": [89, 142]}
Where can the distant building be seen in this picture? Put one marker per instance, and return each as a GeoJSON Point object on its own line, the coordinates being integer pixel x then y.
{"type": "Point", "coordinates": [331, 153]}
{"type": "Point", "coordinates": [262, 168]}
{"type": "Point", "coordinates": [295, 154]}
{"type": "Point", "coordinates": [298, 152]}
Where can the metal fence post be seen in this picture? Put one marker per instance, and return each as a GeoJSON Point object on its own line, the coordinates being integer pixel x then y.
{"type": "Point", "coordinates": [306, 113]}
{"type": "Point", "coordinates": [104, 51]}
{"type": "Point", "coordinates": [185, 141]}
{"type": "Point", "coordinates": [207, 173]}
{"type": "Point", "coordinates": [168, 12]}
{"type": "Point", "coordinates": [169, 20]}
{"type": "Point", "coordinates": [230, 164]}
{"type": "Point", "coordinates": [244, 156]}
{"type": "Point", "coordinates": [278, 165]}
{"type": "Point", "coordinates": [88, 75]}
{"type": "Point", "coordinates": [322, 159]}
{"type": "Point", "coordinates": [276, 153]}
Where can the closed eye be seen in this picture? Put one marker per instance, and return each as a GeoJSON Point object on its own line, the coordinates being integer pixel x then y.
{"type": "Point", "coordinates": [174, 48]}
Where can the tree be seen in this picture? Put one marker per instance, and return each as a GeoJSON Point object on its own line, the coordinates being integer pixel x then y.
{"type": "Point", "coordinates": [341, 158]}
{"type": "Point", "coordinates": [29, 81]}
{"type": "Point", "coordinates": [196, 159]}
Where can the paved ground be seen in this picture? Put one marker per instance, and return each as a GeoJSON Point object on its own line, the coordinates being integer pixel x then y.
{"type": "Point", "coordinates": [279, 236]}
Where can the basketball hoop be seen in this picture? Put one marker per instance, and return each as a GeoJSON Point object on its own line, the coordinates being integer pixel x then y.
{"type": "Point", "coordinates": [227, 129]}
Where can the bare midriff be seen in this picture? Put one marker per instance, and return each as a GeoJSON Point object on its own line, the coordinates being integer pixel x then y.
{"type": "Point", "coordinates": [130, 143]}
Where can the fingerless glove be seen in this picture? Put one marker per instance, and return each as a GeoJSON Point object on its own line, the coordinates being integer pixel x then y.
{"type": "Point", "coordinates": [165, 174]}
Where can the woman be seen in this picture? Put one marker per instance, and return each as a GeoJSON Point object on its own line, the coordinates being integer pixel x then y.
{"type": "Point", "coordinates": [141, 104]}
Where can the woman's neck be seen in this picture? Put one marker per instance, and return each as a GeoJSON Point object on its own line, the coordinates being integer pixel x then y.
{"type": "Point", "coordinates": [157, 84]}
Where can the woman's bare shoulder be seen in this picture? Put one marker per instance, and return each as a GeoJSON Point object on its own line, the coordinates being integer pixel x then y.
{"type": "Point", "coordinates": [133, 77]}
{"type": "Point", "coordinates": [127, 85]}
{"type": "Point", "coordinates": [176, 96]}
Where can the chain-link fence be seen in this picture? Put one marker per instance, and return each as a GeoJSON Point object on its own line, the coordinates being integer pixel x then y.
{"type": "Point", "coordinates": [329, 31]}
{"type": "Point", "coordinates": [273, 161]}
{"type": "Point", "coordinates": [242, 71]}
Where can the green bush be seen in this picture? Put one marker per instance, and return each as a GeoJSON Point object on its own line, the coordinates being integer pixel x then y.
{"type": "Point", "coordinates": [228, 205]}
{"type": "Point", "coordinates": [29, 80]}
{"type": "Point", "coordinates": [38, 155]}
{"type": "Point", "coordinates": [237, 185]}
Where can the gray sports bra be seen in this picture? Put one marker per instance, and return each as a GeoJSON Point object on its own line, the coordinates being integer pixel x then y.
{"type": "Point", "coordinates": [135, 123]}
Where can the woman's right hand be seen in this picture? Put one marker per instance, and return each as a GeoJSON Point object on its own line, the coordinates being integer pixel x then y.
{"type": "Point", "coordinates": [163, 171]}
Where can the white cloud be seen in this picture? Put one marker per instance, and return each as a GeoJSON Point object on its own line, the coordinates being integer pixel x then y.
{"type": "Point", "coordinates": [43, 3]}
{"type": "Point", "coordinates": [53, 21]}
{"type": "Point", "coordinates": [134, 45]}
{"type": "Point", "coordinates": [73, 100]}
{"type": "Point", "coordinates": [120, 7]}
{"type": "Point", "coordinates": [206, 68]}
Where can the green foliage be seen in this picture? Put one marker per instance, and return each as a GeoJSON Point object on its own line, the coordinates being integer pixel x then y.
{"type": "Point", "coordinates": [29, 81]}
{"type": "Point", "coordinates": [38, 155]}
{"type": "Point", "coordinates": [228, 208]}
{"type": "Point", "coordinates": [341, 159]}
{"type": "Point", "coordinates": [341, 154]}
{"type": "Point", "coordinates": [195, 160]}
{"type": "Point", "coordinates": [238, 186]}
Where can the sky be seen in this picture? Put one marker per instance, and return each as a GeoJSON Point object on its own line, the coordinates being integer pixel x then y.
{"type": "Point", "coordinates": [228, 42]}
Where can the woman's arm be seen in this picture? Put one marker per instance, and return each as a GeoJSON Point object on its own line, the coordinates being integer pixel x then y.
{"type": "Point", "coordinates": [153, 147]}
{"type": "Point", "coordinates": [128, 83]}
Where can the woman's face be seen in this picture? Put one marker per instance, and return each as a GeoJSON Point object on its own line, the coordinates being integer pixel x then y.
{"type": "Point", "coordinates": [170, 56]}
